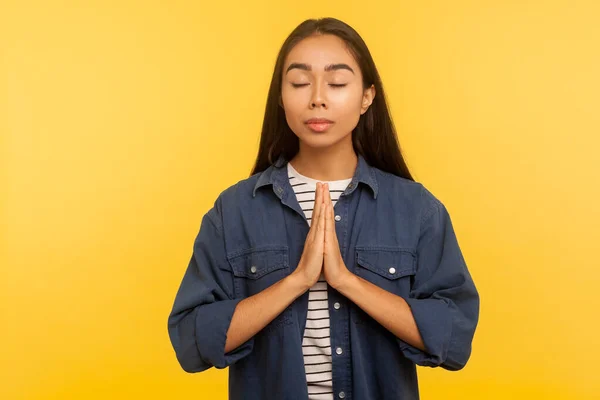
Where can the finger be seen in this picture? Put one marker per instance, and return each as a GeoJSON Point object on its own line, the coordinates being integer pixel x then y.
{"type": "Point", "coordinates": [317, 207]}
{"type": "Point", "coordinates": [327, 223]}
{"type": "Point", "coordinates": [329, 204]}
{"type": "Point", "coordinates": [318, 201]}
{"type": "Point", "coordinates": [321, 224]}
{"type": "Point", "coordinates": [325, 191]}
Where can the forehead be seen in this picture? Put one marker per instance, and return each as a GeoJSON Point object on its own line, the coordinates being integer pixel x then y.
{"type": "Point", "coordinates": [321, 50]}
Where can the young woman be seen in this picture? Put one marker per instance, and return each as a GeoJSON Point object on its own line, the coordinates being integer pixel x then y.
{"type": "Point", "coordinates": [329, 272]}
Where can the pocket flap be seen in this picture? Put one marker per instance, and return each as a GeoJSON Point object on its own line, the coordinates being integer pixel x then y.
{"type": "Point", "coordinates": [389, 263]}
{"type": "Point", "coordinates": [256, 263]}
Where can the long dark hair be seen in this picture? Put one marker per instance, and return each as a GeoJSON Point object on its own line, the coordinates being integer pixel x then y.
{"type": "Point", "coordinates": [374, 136]}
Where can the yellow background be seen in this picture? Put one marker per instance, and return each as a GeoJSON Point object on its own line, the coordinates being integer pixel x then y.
{"type": "Point", "coordinates": [122, 121]}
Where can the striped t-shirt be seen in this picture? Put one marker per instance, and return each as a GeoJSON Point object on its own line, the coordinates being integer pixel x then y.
{"type": "Point", "coordinates": [316, 344]}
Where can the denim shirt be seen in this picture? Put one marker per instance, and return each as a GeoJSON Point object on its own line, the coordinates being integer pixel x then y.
{"type": "Point", "coordinates": [392, 232]}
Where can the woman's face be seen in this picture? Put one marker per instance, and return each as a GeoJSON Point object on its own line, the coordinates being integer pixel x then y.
{"type": "Point", "coordinates": [321, 80]}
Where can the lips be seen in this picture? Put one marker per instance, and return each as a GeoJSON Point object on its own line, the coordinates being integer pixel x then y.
{"type": "Point", "coordinates": [318, 121]}
{"type": "Point", "coordinates": [319, 124]}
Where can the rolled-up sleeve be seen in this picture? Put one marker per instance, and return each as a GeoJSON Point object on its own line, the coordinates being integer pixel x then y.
{"type": "Point", "coordinates": [443, 298]}
{"type": "Point", "coordinates": [204, 304]}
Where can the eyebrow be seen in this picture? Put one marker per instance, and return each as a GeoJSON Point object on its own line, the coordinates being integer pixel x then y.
{"type": "Point", "coordinates": [329, 67]}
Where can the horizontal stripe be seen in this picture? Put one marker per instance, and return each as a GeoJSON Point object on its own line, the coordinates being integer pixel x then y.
{"type": "Point", "coordinates": [316, 337]}
{"type": "Point", "coordinates": [319, 285]}
{"type": "Point", "coordinates": [316, 351]}
{"type": "Point", "coordinates": [317, 313]}
{"type": "Point", "coordinates": [317, 329]}
{"type": "Point", "coordinates": [323, 370]}
{"type": "Point", "coordinates": [317, 324]}
{"type": "Point", "coordinates": [312, 358]}
{"type": "Point", "coordinates": [316, 348]}
{"type": "Point", "coordinates": [313, 382]}
{"type": "Point", "coordinates": [317, 342]}
{"type": "Point", "coordinates": [321, 363]}
{"type": "Point", "coordinates": [313, 351]}
{"type": "Point", "coordinates": [325, 374]}
{"type": "Point", "coordinates": [308, 330]}
{"type": "Point", "coordinates": [320, 386]}
{"type": "Point", "coordinates": [320, 372]}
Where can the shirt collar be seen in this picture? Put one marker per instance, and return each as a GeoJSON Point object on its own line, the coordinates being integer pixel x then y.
{"type": "Point", "coordinates": [277, 176]}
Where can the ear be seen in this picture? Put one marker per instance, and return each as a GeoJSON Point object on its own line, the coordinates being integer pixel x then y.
{"type": "Point", "coordinates": [367, 99]}
{"type": "Point", "coordinates": [280, 102]}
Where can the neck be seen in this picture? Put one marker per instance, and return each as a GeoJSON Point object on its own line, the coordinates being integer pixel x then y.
{"type": "Point", "coordinates": [328, 164]}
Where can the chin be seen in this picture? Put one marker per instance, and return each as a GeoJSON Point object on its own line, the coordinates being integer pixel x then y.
{"type": "Point", "coordinates": [319, 140]}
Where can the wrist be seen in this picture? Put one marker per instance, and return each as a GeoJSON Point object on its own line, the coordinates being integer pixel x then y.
{"type": "Point", "coordinates": [297, 283]}
{"type": "Point", "coordinates": [344, 282]}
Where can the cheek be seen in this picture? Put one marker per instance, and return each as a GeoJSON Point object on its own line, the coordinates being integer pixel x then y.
{"type": "Point", "coordinates": [346, 101]}
{"type": "Point", "coordinates": [293, 109]}
{"type": "Point", "coordinates": [347, 109]}
{"type": "Point", "coordinates": [293, 102]}
{"type": "Point", "coordinates": [293, 115]}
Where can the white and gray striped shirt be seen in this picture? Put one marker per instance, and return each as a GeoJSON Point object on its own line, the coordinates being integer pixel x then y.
{"type": "Point", "coordinates": [316, 344]}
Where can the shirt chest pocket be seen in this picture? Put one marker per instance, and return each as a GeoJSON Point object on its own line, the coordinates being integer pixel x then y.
{"type": "Point", "coordinates": [256, 269]}
{"type": "Point", "coordinates": [389, 268]}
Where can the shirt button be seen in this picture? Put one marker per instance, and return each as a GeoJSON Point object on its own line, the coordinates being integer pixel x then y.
{"type": "Point", "coordinates": [253, 269]}
{"type": "Point", "coordinates": [341, 395]}
{"type": "Point", "coordinates": [336, 305]}
{"type": "Point", "coordinates": [392, 270]}
{"type": "Point", "coordinates": [338, 350]}
{"type": "Point", "coordinates": [338, 218]}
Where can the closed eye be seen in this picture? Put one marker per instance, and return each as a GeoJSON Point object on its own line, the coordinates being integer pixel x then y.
{"type": "Point", "coordinates": [336, 85]}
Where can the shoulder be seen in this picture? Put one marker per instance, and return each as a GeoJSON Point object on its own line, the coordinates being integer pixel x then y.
{"type": "Point", "coordinates": [237, 193]}
{"type": "Point", "coordinates": [412, 194]}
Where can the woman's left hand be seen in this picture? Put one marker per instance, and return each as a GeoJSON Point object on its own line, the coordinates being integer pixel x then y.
{"type": "Point", "coordinates": [334, 269]}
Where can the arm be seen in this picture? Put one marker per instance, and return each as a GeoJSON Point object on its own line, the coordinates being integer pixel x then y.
{"type": "Point", "coordinates": [255, 312]}
{"type": "Point", "coordinates": [388, 309]}
{"type": "Point", "coordinates": [435, 325]}
{"type": "Point", "coordinates": [207, 326]}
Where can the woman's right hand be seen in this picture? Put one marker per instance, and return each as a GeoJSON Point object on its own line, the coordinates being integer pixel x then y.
{"type": "Point", "coordinates": [311, 262]}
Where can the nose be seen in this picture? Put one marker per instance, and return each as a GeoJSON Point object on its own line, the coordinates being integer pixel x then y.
{"type": "Point", "coordinates": [317, 99]}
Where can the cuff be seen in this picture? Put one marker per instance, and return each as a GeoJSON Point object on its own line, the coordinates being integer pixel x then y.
{"type": "Point", "coordinates": [434, 321]}
{"type": "Point", "coordinates": [212, 323]}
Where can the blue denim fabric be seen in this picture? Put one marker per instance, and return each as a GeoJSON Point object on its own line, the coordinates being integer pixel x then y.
{"type": "Point", "coordinates": [386, 221]}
